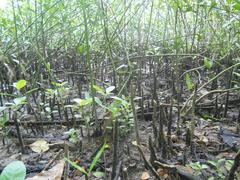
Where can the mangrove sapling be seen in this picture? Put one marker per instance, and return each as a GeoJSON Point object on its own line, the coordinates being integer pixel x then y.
{"type": "Point", "coordinates": [119, 107]}
{"type": "Point", "coordinates": [84, 106]}
{"type": "Point", "coordinates": [18, 102]}
{"type": "Point", "coordinates": [85, 8]}
{"type": "Point", "coordinates": [115, 108]}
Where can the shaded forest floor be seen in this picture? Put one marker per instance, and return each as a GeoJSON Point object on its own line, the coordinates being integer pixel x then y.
{"type": "Point", "coordinates": [216, 138]}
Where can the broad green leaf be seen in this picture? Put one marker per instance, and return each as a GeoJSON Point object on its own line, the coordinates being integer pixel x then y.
{"type": "Point", "coordinates": [20, 84]}
{"type": "Point", "coordinates": [98, 101]}
{"type": "Point", "coordinates": [15, 170]}
{"type": "Point", "coordinates": [98, 89]}
{"type": "Point", "coordinates": [2, 108]}
{"type": "Point", "coordinates": [3, 120]}
{"type": "Point", "coordinates": [208, 63]}
{"type": "Point", "coordinates": [48, 66]}
{"type": "Point", "coordinates": [212, 163]}
{"type": "Point", "coordinates": [110, 89]}
{"type": "Point", "coordinates": [97, 157]}
{"type": "Point", "coordinates": [114, 111]}
{"type": "Point", "coordinates": [81, 49]}
{"type": "Point", "coordinates": [221, 161]}
{"type": "Point", "coordinates": [124, 102]}
{"type": "Point", "coordinates": [87, 95]}
{"type": "Point", "coordinates": [19, 101]}
{"type": "Point", "coordinates": [88, 101]}
{"type": "Point", "coordinates": [77, 100]}
{"type": "Point", "coordinates": [189, 82]}
{"type": "Point", "coordinates": [229, 164]}
{"type": "Point", "coordinates": [204, 166]}
{"type": "Point", "coordinates": [237, 6]}
{"type": "Point", "coordinates": [83, 102]}
{"type": "Point", "coordinates": [77, 166]}
{"type": "Point", "coordinates": [99, 174]}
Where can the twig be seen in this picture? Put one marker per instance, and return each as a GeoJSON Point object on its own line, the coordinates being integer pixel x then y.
{"type": "Point", "coordinates": [53, 159]}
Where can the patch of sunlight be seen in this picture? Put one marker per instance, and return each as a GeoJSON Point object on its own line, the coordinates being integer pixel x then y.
{"type": "Point", "coordinates": [3, 4]}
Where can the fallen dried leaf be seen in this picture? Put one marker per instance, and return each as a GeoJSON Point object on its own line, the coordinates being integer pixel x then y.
{"type": "Point", "coordinates": [39, 146]}
{"type": "Point", "coordinates": [145, 176]}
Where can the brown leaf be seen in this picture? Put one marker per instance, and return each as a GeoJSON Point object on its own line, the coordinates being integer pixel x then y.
{"type": "Point", "coordinates": [145, 176]}
{"type": "Point", "coordinates": [39, 146]}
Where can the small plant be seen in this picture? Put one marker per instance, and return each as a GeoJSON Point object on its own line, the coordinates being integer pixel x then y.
{"type": "Point", "coordinates": [15, 170]}
{"type": "Point", "coordinates": [83, 107]}
{"type": "Point", "coordinates": [60, 91]}
{"type": "Point", "coordinates": [198, 167]}
{"type": "Point", "coordinates": [119, 108]}
{"type": "Point", "coordinates": [218, 165]}
{"type": "Point", "coordinates": [92, 165]}
{"type": "Point", "coordinates": [74, 138]}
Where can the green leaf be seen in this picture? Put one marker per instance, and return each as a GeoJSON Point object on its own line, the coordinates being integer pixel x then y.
{"type": "Point", "coordinates": [20, 84]}
{"type": "Point", "coordinates": [211, 178]}
{"type": "Point", "coordinates": [221, 161]}
{"type": "Point", "coordinates": [97, 157]}
{"type": "Point", "coordinates": [212, 163]}
{"type": "Point", "coordinates": [98, 89]}
{"type": "Point", "coordinates": [123, 102]}
{"type": "Point", "coordinates": [3, 120]}
{"type": "Point", "coordinates": [83, 102]}
{"type": "Point", "coordinates": [59, 84]}
{"type": "Point", "coordinates": [236, 6]}
{"type": "Point", "coordinates": [77, 166]}
{"type": "Point", "coordinates": [15, 170]}
{"type": "Point", "coordinates": [229, 164]}
{"type": "Point", "coordinates": [208, 63]}
{"type": "Point", "coordinates": [189, 82]}
{"type": "Point", "coordinates": [19, 101]}
{"type": "Point", "coordinates": [204, 166]}
{"type": "Point", "coordinates": [81, 49]}
{"type": "Point", "coordinates": [98, 101]}
{"type": "Point", "coordinates": [99, 174]}
{"type": "Point", "coordinates": [2, 108]}
{"type": "Point", "coordinates": [110, 89]}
